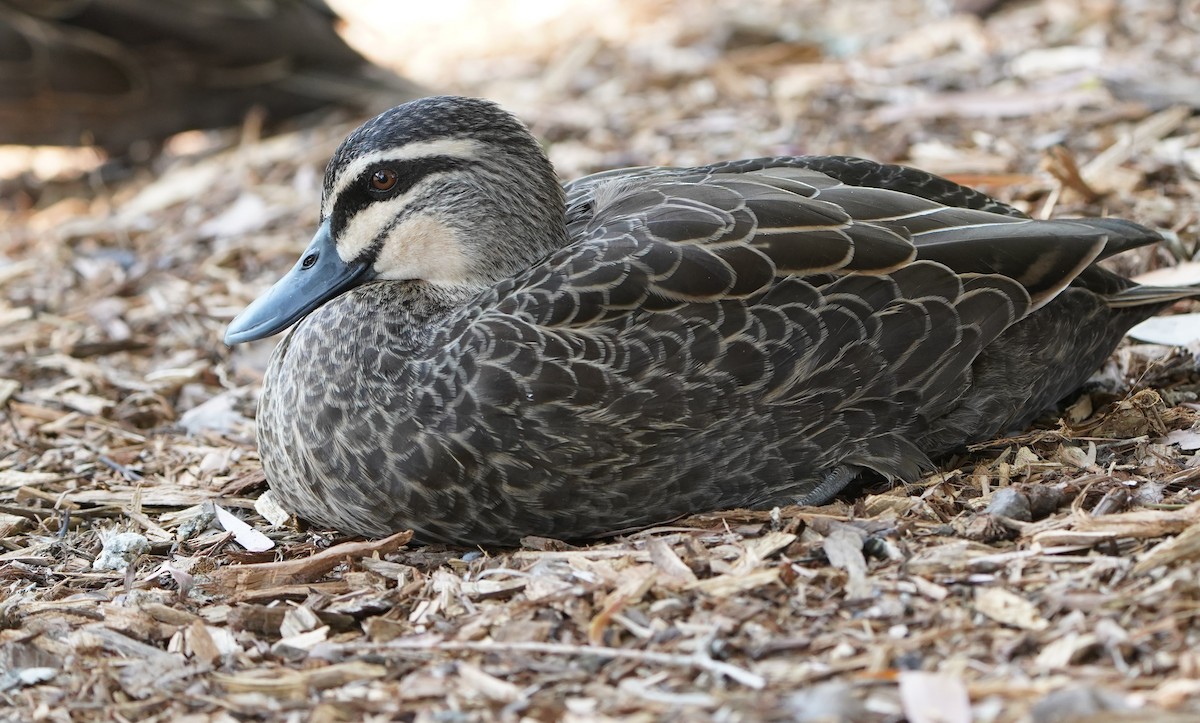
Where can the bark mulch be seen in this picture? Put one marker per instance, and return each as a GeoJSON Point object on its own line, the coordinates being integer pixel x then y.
{"type": "Point", "coordinates": [1036, 577]}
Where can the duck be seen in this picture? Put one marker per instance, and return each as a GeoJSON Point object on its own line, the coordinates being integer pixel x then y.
{"type": "Point", "coordinates": [117, 73]}
{"type": "Point", "coordinates": [479, 353]}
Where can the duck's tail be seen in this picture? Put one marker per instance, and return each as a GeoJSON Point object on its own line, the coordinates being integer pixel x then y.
{"type": "Point", "coordinates": [1122, 235]}
{"type": "Point", "coordinates": [1150, 295]}
{"type": "Point", "coordinates": [1118, 291]}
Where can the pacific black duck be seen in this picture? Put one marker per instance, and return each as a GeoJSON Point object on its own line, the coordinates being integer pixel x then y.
{"type": "Point", "coordinates": [112, 72]}
{"type": "Point", "coordinates": [483, 354]}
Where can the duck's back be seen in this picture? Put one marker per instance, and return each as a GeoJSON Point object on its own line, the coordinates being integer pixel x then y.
{"type": "Point", "coordinates": [1083, 310]}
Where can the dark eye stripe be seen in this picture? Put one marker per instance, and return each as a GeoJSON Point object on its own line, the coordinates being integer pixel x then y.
{"type": "Point", "coordinates": [409, 172]}
{"type": "Point", "coordinates": [359, 193]}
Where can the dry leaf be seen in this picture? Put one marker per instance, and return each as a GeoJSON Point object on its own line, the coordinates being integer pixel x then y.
{"type": "Point", "coordinates": [844, 548]}
{"type": "Point", "coordinates": [934, 697]}
{"type": "Point", "coordinates": [474, 680]}
{"type": "Point", "coordinates": [1174, 330]}
{"type": "Point", "coordinates": [244, 534]}
{"type": "Point", "coordinates": [668, 563]}
{"type": "Point", "coordinates": [1187, 439]}
{"type": "Point", "coordinates": [1178, 550]}
{"type": "Point", "coordinates": [217, 415]}
{"type": "Point", "coordinates": [1009, 608]}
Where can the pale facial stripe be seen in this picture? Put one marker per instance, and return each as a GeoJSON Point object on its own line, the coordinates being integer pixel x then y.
{"type": "Point", "coordinates": [464, 148]}
{"type": "Point", "coordinates": [420, 246]}
{"type": "Point", "coordinates": [362, 230]}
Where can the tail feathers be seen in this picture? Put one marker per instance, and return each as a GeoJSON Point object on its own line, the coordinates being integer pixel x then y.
{"type": "Point", "coordinates": [1146, 295]}
{"type": "Point", "coordinates": [1122, 235]}
{"type": "Point", "coordinates": [1119, 292]}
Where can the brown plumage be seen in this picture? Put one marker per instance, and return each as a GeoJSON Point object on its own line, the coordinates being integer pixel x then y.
{"type": "Point", "coordinates": [112, 72]}
{"type": "Point", "coordinates": [482, 356]}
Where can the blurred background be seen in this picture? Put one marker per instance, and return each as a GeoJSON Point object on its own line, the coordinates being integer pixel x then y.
{"type": "Point", "coordinates": [954, 85]}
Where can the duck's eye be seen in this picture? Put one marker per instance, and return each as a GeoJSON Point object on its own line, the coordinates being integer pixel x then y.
{"type": "Point", "coordinates": [383, 179]}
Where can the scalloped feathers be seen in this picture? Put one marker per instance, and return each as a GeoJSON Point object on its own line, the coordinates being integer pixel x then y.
{"type": "Point", "coordinates": [747, 333]}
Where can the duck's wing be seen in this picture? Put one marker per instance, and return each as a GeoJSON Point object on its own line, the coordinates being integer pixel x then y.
{"type": "Point", "coordinates": [948, 223]}
{"type": "Point", "coordinates": [715, 339]}
{"type": "Point", "coordinates": [699, 316]}
{"type": "Point", "coordinates": [847, 170]}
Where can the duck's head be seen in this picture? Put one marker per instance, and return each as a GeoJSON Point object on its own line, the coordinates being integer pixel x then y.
{"type": "Point", "coordinates": [446, 191]}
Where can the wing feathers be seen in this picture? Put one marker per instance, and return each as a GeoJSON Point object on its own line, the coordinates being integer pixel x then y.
{"type": "Point", "coordinates": [830, 310]}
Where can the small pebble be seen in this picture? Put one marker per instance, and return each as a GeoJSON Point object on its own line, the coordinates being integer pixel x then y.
{"type": "Point", "coordinates": [1044, 500]}
{"type": "Point", "coordinates": [120, 550]}
{"type": "Point", "coordinates": [834, 701]}
{"type": "Point", "coordinates": [196, 524]}
{"type": "Point", "coordinates": [1011, 503]}
{"type": "Point", "coordinates": [1079, 702]}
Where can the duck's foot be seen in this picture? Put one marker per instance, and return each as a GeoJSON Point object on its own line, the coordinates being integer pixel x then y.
{"type": "Point", "coordinates": [834, 481]}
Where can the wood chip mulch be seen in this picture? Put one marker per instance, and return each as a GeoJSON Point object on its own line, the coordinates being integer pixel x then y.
{"type": "Point", "coordinates": [1049, 574]}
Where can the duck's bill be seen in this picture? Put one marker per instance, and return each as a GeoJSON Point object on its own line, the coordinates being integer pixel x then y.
{"type": "Point", "coordinates": [317, 277]}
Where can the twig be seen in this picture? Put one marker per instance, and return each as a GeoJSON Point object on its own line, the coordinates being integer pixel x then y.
{"type": "Point", "coordinates": [1061, 164]}
{"type": "Point", "coordinates": [745, 677]}
{"type": "Point", "coordinates": [289, 572]}
{"type": "Point", "coordinates": [116, 466]}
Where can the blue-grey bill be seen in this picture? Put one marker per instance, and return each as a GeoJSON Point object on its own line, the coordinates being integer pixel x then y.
{"type": "Point", "coordinates": [299, 292]}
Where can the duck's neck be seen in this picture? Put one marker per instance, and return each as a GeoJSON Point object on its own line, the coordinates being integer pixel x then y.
{"type": "Point", "coordinates": [403, 315]}
{"type": "Point", "coordinates": [516, 217]}
{"type": "Point", "coordinates": [396, 319]}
